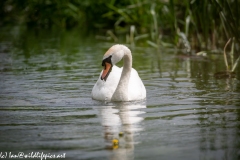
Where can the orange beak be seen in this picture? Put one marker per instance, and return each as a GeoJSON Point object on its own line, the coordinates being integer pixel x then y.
{"type": "Point", "coordinates": [106, 71]}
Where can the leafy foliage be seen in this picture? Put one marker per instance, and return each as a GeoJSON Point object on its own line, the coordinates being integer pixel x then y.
{"type": "Point", "coordinates": [205, 24]}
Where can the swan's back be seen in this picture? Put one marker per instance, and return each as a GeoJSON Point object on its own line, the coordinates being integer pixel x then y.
{"type": "Point", "coordinates": [136, 89]}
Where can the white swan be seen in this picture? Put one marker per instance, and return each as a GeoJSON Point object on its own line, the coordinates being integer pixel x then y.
{"type": "Point", "coordinates": [118, 84]}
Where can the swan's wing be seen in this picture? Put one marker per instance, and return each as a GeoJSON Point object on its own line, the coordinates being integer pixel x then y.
{"type": "Point", "coordinates": [103, 90]}
{"type": "Point", "coordinates": [136, 88]}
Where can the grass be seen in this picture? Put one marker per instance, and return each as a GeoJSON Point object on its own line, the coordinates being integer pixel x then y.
{"type": "Point", "coordinates": [189, 25]}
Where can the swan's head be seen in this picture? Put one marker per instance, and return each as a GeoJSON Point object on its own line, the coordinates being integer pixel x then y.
{"type": "Point", "coordinates": [111, 57]}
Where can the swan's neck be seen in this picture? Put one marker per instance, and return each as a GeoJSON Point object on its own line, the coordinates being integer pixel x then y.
{"type": "Point", "coordinates": [121, 92]}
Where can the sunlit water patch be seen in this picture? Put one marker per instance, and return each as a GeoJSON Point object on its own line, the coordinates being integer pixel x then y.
{"type": "Point", "coordinates": [46, 105]}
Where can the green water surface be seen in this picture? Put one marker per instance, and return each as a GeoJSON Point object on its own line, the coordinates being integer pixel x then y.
{"type": "Point", "coordinates": [46, 78]}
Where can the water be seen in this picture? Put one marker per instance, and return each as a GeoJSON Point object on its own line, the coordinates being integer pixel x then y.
{"type": "Point", "coordinates": [46, 106]}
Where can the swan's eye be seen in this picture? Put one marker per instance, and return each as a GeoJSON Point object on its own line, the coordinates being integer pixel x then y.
{"type": "Point", "coordinates": [107, 60]}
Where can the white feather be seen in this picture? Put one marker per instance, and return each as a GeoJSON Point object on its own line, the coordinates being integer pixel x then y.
{"type": "Point", "coordinates": [130, 88]}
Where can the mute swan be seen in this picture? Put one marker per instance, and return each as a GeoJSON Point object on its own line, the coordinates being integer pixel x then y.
{"type": "Point", "coordinates": [118, 84]}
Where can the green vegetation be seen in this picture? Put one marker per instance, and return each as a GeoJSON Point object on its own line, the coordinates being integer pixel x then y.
{"type": "Point", "coordinates": [195, 24]}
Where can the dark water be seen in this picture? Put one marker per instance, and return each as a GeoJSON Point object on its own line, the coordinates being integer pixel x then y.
{"type": "Point", "coordinates": [45, 102]}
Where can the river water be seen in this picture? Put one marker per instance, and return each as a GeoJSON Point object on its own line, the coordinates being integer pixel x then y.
{"type": "Point", "coordinates": [45, 102]}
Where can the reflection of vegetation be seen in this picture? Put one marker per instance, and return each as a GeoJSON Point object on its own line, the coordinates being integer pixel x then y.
{"type": "Point", "coordinates": [187, 24]}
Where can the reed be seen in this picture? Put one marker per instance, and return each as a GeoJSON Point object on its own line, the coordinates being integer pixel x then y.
{"type": "Point", "coordinates": [230, 68]}
{"type": "Point", "coordinates": [190, 25]}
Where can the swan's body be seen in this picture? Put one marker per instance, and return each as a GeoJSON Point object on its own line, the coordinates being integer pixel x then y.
{"type": "Point", "coordinates": [118, 84]}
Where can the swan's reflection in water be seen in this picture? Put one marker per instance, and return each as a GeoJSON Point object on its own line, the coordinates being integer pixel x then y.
{"type": "Point", "coordinates": [121, 121]}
